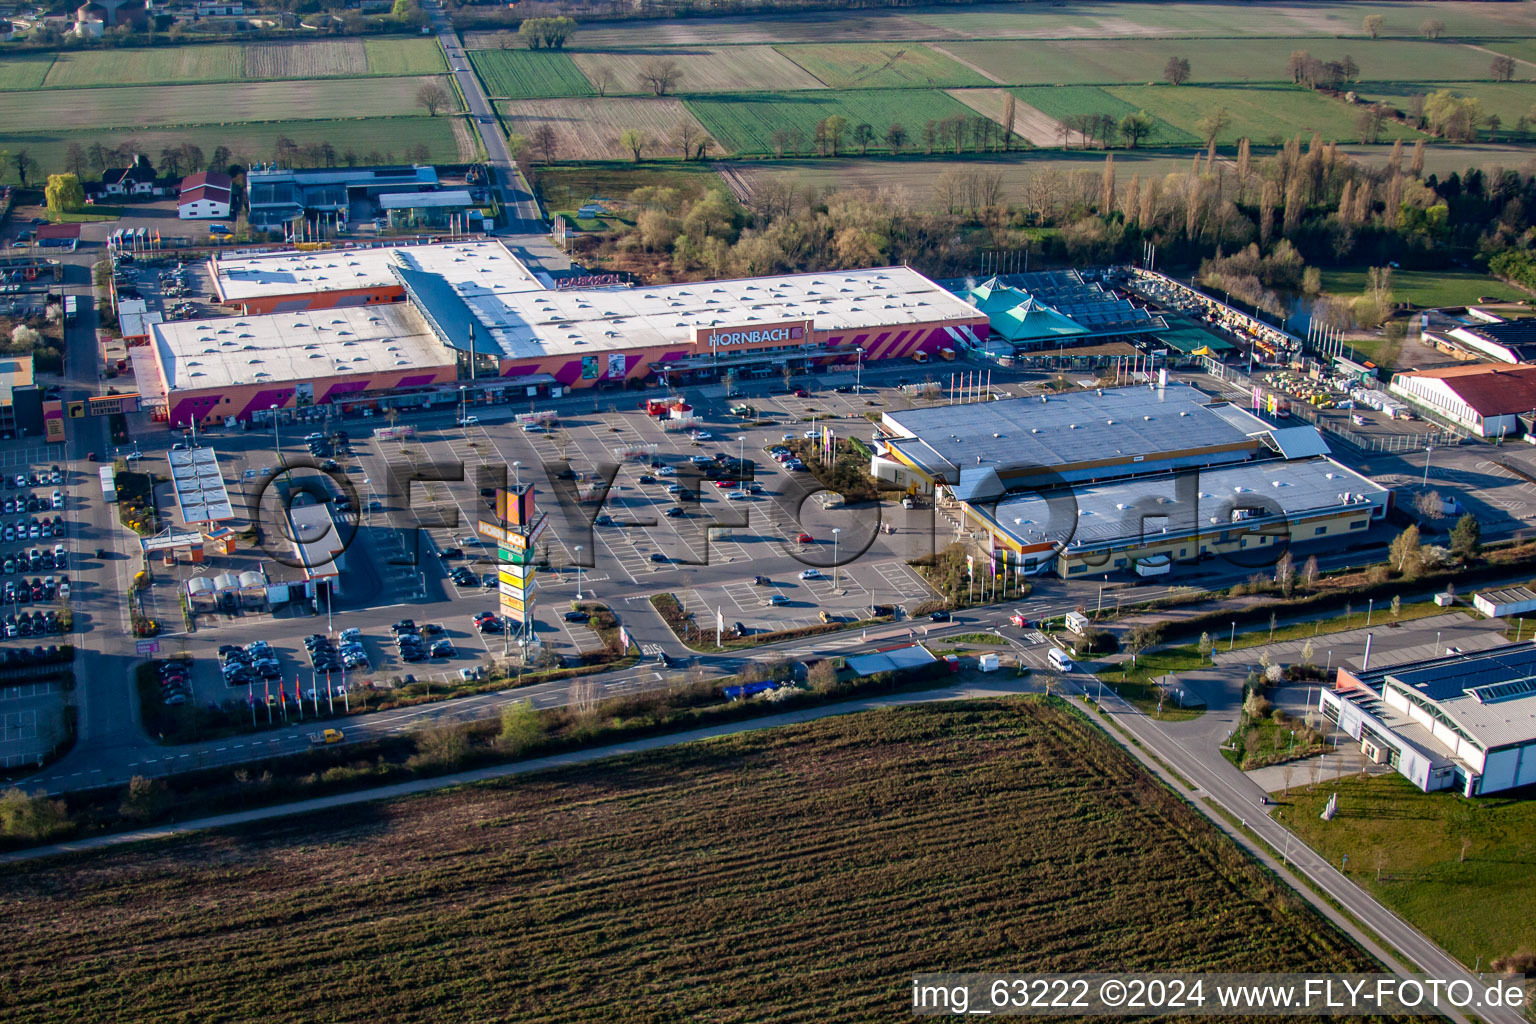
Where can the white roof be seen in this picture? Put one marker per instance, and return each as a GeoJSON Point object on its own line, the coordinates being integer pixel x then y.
{"type": "Point", "coordinates": [200, 491]}
{"type": "Point", "coordinates": [1139, 509]}
{"type": "Point", "coordinates": [309, 345]}
{"type": "Point", "coordinates": [424, 200]}
{"type": "Point", "coordinates": [531, 324]}
{"type": "Point", "coordinates": [291, 273]}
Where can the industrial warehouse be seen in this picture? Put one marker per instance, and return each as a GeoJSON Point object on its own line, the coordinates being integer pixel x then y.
{"type": "Point", "coordinates": [354, 326]}
{"type": "Point", "coordinates": [1463, 722]}
{"type": "Point", "coordinates": [1125, 479]}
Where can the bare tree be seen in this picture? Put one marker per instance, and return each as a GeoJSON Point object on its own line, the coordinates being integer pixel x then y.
{"type": "Point", "coordinates": [1010, 116]}
{"type": "Point", "coordinates": [635, 141]}
{"type": "Point", "coordinates": [546, 141]}
{"type": "Point", "coordinates": [660, 75]}
{"type": "Point", "coordinates": [686, 132]}
{"type": "Point", "coordinates": [1373, 25]}
{"type": "Point", "coordinates": [1431, 28]}
{"type": "Point", "coordinates": [433, 97]}
{"type": "Point", "coordinates": [1176, 71]}
{"type": "Point", "coordinates": [605, 81]}
{"type": "Point", "coordinates": [1502, 68]}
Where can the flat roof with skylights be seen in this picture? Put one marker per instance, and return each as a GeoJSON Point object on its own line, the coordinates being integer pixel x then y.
{"type": "Point", "coordinates": [529, 324]}
{"type": "Point", "coordinates": [287, 347]}
{"type": "Point", "coordinates": [1149, 508]}
{"type": "Point", "coordinates": [1170, 426]}
{"type": "Point", "coordinates": [478, 263]}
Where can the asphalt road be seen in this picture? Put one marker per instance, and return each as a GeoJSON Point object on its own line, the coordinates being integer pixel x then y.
{"type": "Point", "coordinates": [521, 213]}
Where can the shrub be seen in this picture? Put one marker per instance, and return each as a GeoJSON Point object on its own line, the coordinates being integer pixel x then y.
{"type": "Point", "coordinates": [34, 817]}
{"type": "Point", "coordinates": [1098, 641]}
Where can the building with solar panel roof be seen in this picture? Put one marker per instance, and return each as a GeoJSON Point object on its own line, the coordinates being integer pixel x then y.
{"type": "Point", "coordinates": [1458, 720]}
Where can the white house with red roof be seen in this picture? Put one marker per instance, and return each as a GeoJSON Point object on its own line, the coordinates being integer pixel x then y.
{"type": "Point", "coordinates": [204, 196]}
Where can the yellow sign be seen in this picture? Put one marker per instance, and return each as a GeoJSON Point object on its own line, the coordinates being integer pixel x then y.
{"type": "Point", "coordinates": [516, 575]}
{"type": "Point", "coordinates": [76, 410]}
{"type": "Point", "coordinates": [516, 541]}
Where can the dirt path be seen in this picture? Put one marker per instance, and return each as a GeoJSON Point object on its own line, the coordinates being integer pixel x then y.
{"type": "Point", "coordinates": [1494, 53]}
{"type": "Point", "coordinates": [1028, 122]}
{"type": "Point", "coordinates": [983, 72]}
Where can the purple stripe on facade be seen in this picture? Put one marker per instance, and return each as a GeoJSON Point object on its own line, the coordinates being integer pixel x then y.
{"type": "Point", "coordinates": [521, 371]}
{"type": "Point", "coordinates": [265, 400]}
{"type": "Point", "coordinates": [569, 372]}
{"type": "Point", "coordinates": [345, 387]}
{"type": "Point", "coordinates": [416, 380]}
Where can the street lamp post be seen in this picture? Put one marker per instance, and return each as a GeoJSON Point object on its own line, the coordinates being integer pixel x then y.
{"type": "Point", "coordinates": [578, 572]}
{"type": "Point", "coordinates": [1232, 640]}
{"type": "Point", "coordinates": [858, 373]}
{"type": "Point", "coordinates": [463, 410]}
{"type": "Point", "coordinates": [835, 531]}
{"type": "Point", "coordinates": [277, 445]}
{"type": "Point", "coordinates": [516, 476]}
{"type": "Point", "coordinates": [1427, 449]}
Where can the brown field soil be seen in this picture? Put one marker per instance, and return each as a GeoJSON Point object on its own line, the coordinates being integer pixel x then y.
{"type": "Point", "coordinates": [306, 60]}
{"type": "Point", "coordinates": [1068, 19]}
{"type": "Point", "coordinates": [589, 129]}
{"type": "Point", "coordinates": [1034, 125]}
{"type": "Point", "coordinates": [705, 69]}
{"type": "Point", "coordinates": [231, 103]}
{"type": "Point", "coordinates": [800, 873]}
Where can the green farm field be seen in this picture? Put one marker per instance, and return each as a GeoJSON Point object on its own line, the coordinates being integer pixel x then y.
{"type": "Point", "coordinates": [799, 873]}
{"type": "Point", "coordinates": [1259, 113]}
{"type": "Point", "coordinates": [1523, 50]}
{"type": "Point", "coordinates": [449, 139]}
{"type": "Point", "coordinates": [25, 71]}
{"type": "Point", "coordinates": [178, 65]}
{"type": "Point", "coordinates": [62, 109]}
{"type": "Point", "coordinates": [529, 74]}
{"type": "Point", "coordinates": [1424, 287]}
{"type": "Point", "coordinates": [882, 66]}
{"type": "Point", "coordinates": [746, 123]}
{"type": "Point", "coordinates": [1473, 907]}
{"type": "Point", "coordinates": [705, 69]}
{"type": "Point", "coordinates": [1060, 102]}
{"type": "Point", "coordinates": [914, 177]}
{"type": "Point", "coordinates": [1510, 100]}
{"type": "Point", "coordinates": [1132, 61]}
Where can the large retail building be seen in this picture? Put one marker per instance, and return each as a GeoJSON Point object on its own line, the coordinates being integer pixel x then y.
{"type": "Point", "coordinates": [357, 325]}
{"type": "Point", "coordinates": [1129, 479]}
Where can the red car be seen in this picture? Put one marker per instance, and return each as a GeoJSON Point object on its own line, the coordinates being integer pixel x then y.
{"type": "Point", "coordinates": [806, 538]}
{"type": "Point", "coordinates": [802, 393]}
{"type": "Point", "coordinates": [723, 484]}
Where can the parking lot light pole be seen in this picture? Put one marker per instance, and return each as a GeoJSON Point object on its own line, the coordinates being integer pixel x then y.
{"type": "Point", "coordinates": [516, 476]}
{"type": "Point", "coordinates": [835, 531]}
{"type": "Point", "coordinates": [1427, 449]}
{"type": "Point", "coordinates": [578, 572]}
{"type": "Point", "coordinates": [858, 372]}
{"type": "Point", "coordinates": [277, 445]}
{"type": "Point", "coordinates": [462, 409]}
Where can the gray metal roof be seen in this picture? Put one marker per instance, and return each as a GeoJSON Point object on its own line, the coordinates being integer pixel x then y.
{"type": "Point", "coordinates": [200, 492]}
{"type": "Point", "coordinates": [1180, 504]}
{"type": "Point", "coordinates": [1490, 695]}
{"type": "Point", "coordinates": [1070, 428]}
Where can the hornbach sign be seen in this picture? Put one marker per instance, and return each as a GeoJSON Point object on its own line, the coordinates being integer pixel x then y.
{"type": "Point", "coordinates": [752, 334]}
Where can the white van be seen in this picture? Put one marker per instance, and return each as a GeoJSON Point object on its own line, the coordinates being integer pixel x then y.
{"type": "Point", "coordinates": [1060, 660]}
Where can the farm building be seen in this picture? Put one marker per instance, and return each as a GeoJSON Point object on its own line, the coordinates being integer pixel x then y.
{"type": "Point", "coordinates": [281, 195]}
{"type": "Point", "coordinates": [474, 311]}
{"type": "Point", "coordinates": [1485, 399]}
{"type": "Point", "coordinates": [1124, 480]}
{"type": "Point", "coordinates": [204, 196]}
{"type": "Point", "coordinates": [1460, 721]}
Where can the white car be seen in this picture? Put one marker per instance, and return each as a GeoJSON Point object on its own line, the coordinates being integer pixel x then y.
{"type": "Point", "coordinates": [701, 435]}
{"type": "Point", "coordinates": [666, 471]}
{"type": "Point", "coordinates": [469, 421]}
{"type": "Point", "coordinates": [811, 574]}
